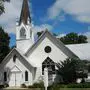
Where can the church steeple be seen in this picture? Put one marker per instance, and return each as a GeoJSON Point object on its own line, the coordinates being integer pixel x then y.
{"type": "Point", "coordinates": [24, 31]}
{"type": "Point", "coordinates": [25, 14]}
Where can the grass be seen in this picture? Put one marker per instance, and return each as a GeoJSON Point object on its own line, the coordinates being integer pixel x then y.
{"type": "Point", "coordinates": [52, 89]}
{"type": "Point", "coordinates": [23, 89]}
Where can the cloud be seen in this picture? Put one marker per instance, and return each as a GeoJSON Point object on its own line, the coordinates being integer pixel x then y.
{"type": "Point", "coordinates": [61, 35]}
{"type": "Point", "coordinates": [87, 34]}
{"type": "Point", "coordinates": [12, 12]}
{"type": "Point", "coordinates": [39, 28]}
{"type": "Point", "coordinates": [42, 27]}
{"type": "Point", "coordinates": [80, 9]}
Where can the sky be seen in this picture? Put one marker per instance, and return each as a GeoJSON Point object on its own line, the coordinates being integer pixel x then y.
{"type": "Point", "coordinates": [59, 16]}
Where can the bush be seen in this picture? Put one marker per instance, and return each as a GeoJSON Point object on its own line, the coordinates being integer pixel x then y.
{"type": "Point", "coordinates": [6, 85]}
{"type": "Point", "coordinates": [1, 86]}
{"type": "Point", "coordinates": [58, 86]}
{"type": "Point", "coordinates": [37, 85]}
{"type": "Point", "coordinates": [86, 85]}
{"type": "Point", "coordinates": [23, 86]}
{"type": "Point", "coordinates": [74, 86]}
{"type": "Point", "coordinates": [81, 85]}
{"type": "Point", "coordinates": [83, 80]}
{"type": "Point", "coordinates": [30, 86]}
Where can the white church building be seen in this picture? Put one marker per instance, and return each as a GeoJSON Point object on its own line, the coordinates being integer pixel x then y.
{"type": "Point", "coordinates": [25, 64]}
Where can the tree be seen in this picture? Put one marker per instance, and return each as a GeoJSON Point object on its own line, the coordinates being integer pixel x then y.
{"type": "Point", "coordinates": [40, 33]}
{"type": "Point", "coordinates": [73, 38]}
{"type": "Point", "coordinates": [4, 44]}
{"type": "Point", "coordinates": [82, 70]}
{"type": "Point", "coordinates": [2, 6]}
{"type": "Point", "coordinates": [82, 39]}
{"type": "Point", "coordinates": [69, 70]}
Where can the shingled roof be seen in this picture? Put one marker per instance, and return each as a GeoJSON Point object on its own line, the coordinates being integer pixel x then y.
{"type": "Point", "coordinates": [25, 14]}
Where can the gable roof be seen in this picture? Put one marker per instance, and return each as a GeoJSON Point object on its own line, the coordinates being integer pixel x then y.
{"type": "Point", "coordinates": [57, 42]}
{"type": "Point", "coordinates": [21, 57]}
{"type": "Point", "coordinates": [81, 50]}
{"type": "Point", "coordinates": [25, 15]}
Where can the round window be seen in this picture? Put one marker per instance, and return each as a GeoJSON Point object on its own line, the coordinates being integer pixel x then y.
{"type": "Point", "coordinates": [47, 49]}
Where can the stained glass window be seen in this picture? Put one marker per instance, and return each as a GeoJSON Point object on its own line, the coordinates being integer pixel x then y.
{"type": "Point", "coordinates": [50, 65]}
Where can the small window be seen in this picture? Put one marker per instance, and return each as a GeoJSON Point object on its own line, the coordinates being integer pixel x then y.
{"type": "Point", "coordinates": [26, 76]}
{"type": "Point", "coordinates": [22, 33]}
{"type": "Point", "coordinates": [47, 49]}
{"type": "Point", "coordinates": [5, 76]}
{"type": "Point", "coordinates": [14, 58]}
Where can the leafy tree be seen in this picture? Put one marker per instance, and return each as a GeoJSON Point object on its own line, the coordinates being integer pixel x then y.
{"type": "Point", "coordinates": [69, 70]}
{"type": "Point", "coordinates": [40, 33]}
{"type": "Point", "coordinates": [73, 38]}
{"type": "Point", "coordinates": [4, 44]}
{"type": "Point", "coordinates": [88, 68]}
{"type": "Point", "coordinates": [2, 5]}
{"type": "Point", "coordinates": [82, 70]}
{"type": "Point", "coordinates": [82, 39]}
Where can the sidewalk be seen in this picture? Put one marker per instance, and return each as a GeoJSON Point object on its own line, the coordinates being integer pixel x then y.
{"type": "Point", "coordinates": [15, 88]}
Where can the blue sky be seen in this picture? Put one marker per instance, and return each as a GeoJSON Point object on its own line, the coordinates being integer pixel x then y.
{"type": "Point", "coordinates": [59, 16]}
{"type": "Point", "coordinates": [68, 22]}
{"type": "Point", "coordinates": [39, 10]}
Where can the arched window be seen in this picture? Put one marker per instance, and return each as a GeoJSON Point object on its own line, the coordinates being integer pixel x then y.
{"type": "Point", "coordinates": [26, 76]}
{"type": "Point", "coordinates": [14, 58]}
{"type": "Point", "coordinates": [50, 65]}
{"type": "Point", "coordinates": [22, 33]}
{"type": "Point", "coordinates": [5, 76]}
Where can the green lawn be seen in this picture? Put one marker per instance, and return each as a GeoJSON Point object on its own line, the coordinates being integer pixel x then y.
{"type": "Point", "coordinates": [24, 89]}
{"type": "Point", "coordinates": [52, 89]}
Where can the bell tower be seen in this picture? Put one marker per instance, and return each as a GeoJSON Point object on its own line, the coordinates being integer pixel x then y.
{"type": "Point", "coordinates": [24, 32]}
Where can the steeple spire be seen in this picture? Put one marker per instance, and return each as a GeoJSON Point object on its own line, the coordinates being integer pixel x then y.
{"type": "Point", "coordinates": [25, 15]}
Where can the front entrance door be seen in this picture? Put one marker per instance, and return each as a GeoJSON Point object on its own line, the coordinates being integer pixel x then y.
{"type": "Point", "coordinates": [15, 79]}
{"type": "Point", "coordinates": [15, 76]}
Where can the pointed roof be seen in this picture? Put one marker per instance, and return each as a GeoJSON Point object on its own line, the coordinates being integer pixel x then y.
{"type": "Point", "coordinates": [20, 57]}
{"type": "Point", "coordinates": [57, 42]}
{"type": "Point", "coordinates": [25, 14]}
